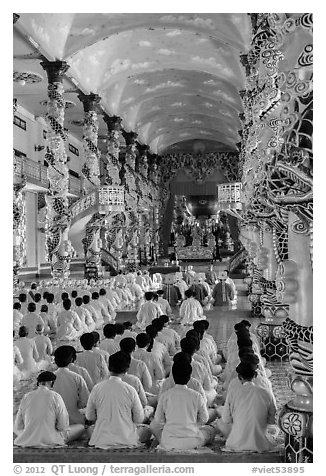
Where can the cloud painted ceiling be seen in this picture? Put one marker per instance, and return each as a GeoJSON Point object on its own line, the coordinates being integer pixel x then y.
{"type": "Point", "coordinates": [170, 77]}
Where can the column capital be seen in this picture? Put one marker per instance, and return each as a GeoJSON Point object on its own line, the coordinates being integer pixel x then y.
{"type": "Point", "coordinates": [129, 137]}
{"type": "Point", "coordinates": [90, 101]}
{"type": "Point", "coordinates": [55, 70]}
{"type": "Point", "coordinates": [113, 122]}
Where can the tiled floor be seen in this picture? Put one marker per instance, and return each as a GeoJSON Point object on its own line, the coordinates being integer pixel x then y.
{"type": "Point", "coordinates": [221, 321]}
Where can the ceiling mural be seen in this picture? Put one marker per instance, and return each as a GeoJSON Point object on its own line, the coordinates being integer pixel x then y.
{"type": "Point", "coordinates": [170, 77]}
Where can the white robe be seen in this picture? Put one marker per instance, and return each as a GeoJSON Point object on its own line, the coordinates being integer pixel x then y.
{"type": "Point", "coordinates": [191, 311]}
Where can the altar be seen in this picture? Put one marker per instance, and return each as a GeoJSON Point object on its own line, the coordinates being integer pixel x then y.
{"type": "Point", "coordinates": [194, 253]}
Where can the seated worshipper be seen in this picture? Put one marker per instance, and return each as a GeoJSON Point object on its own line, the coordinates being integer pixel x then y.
{"type": "Point", "coordinates": [52, 308]}
{"type": "Point", "coordinates": [113, 296]}
{"type": "Point", "coordinates": [88, 325]}
{"type": "Point", "coordinates": [199, 369]}
{"type": "Point", "coordinates": [108, 343]}
{"type": "Point", "coordinates": [181, 284]}
{"type": "Point", "coordinates": [169, 333]}
{"type": "Point", "coordinates": [93, 362]}
{"type": "Point", "coordinates": [189, 275]}
{"type": "Point", "coordinates": [136, 383]}
{"type": "Point", "coordinates": [222, 293]}
{"type": "Point", "coordinates": [37, 300]}
{"type": "Point", "coordinates": [199, 291]}
{"type": "Point", "coordinates": [42, 418]}
{"type": "Point", "coordinates": [232, 345]}
{"type": "Point", "coordinates": [31, 292]}
{"type": "Point", "coordinates": [69, 326]}
{"type": "Point", "coordinates": [101, 312]}
{"type": "Point", "coordinates": [207, 344]}
{"type": "Point", "coordinates": [155, 301]}
{"type": "Point", "coordinates": [157, 348]}
{"type": "Point", "coordinates": [120, 330]}
{"type": "Point", "coordinates": [78, 369]}
{"type": "Point", "coordinates": [147, 311]}
{"type": "Point", "coordinates": [18, 316]}
{"type": "Point", "coordinates": [163, 303]}
{"type": "Point", "coordinates": [152, 361]}
{"type": "Point", "coordinates": [211, 276]}
{"type": "Point", "coordinates": [87, 305]}
{"type": "Point", "coordinates": [128, 330]}
{"type": "Point", "coordinates": [71, 386]}
{"type": "Point", "coordinates": [141, 281]}
{"type": "Point", "coordinates": [146, 276]}
{"type": "Point", "coordinates": [171, 292]}
{"type": "Point", "coordinates": [17, 359]}
{"type": "Point", "coordinates": [181, 415]}
{"type": "Point", "coordinates": [137, 367]}
{"type": "Point", "coordinates": [120, 278]}
{"type": "Point", "coordinates": [230, 282]}
{"type": "Point", "coordinates": [193, 383]}
{"type": "Point", "coordinates": [134, 288]}
{"type": "Point", "coordinates": [190, 310]}
{"type": "Point", "coordinates": [166, 339]}
{"type": "Point", "coordinates": [116, 409]}
{"type": "Point", "coordinates": [202, 282]}
{"type": "Point", "coordinates": [64, 296]}
{"type": "Point", "coordinates": [31, 319]}
{"type": "Point", "coordinates": [157, 280]}
{"type": "Point", "coordinates": [23, 303]}
{"type": "Point", "coordinates": [29, 354]}
{"type": "Point", "coordinates": [96, 347]}
{"type": "Point", "coordinates": [247, 411]}
{"type": "Point", "coordinates": [213, 370]}
{"type": "Point", "coordinates": [48, 320]}
{"type": "Point", "coordinates": [111, 312]}
{"type": "Point", "coordinates": [124, 294]}
{"type": "Point", "coordinates": [43, 344]}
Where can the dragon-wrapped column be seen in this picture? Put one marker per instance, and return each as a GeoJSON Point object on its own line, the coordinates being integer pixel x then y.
{"type": "Point", "coordinates": [57, 206]}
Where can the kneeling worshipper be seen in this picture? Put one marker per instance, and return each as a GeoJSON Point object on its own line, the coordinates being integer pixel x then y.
{"type": "Point", "coordinates": [208, 344]}
{"type": "Point", "coordinates": [111, 312]}
{"type": "Point", "coordinates": [42, 418]}
{"type": "Point", "coordinates": [247, 412]}
{"type": "Point", "coordinates": [43, 345]}
{"type": "Point", "coordinates": [88, 325]}
{"type": "Point", "coordinates": [93, 362]}
{"type": "Point", "coordinates": [232, 345]}
{"type": "Point", "coordinates": [169, 334]}
{"type": "Point", "coordinates": [222, 293]}
{"type": "Point", "coordinates": [181, 284]}
{"type": "Point", "coordinates": [49, 322]}
{"type": "Point", "coordinates": [199, 291]}
{"type": "Point", "coordinates": [167, 339]}
{"type": "Point", "coordinates": [96, 347]}
{"type": "Point", "coordinates": [69, 326]}
{"type": "Point", "coordinates": [109, 343]}
{"type": "Point", "coordinates": [115, 408]}
{"type": "Point", "coordinates": [136, 367]}
{"type": "Point", "coordinates": [152, 361]}
{"type": "Point", "coordinates": [190, 310]}
{"type": "Point", "coordinates": [18, 359]}
{"type": "Point", "coordinates": [157, 347]}
{"type": "Point", "coordinates": [128, 330]}
{"type": "Point", "coordinates": [29, 354]}
{"type": "Point", "coordinates": [78, 369]}
{"type": "Point", "coordinates": [18, 316]}
{"type": "Point", "coordinates": [171, 292]}
{"type": "Point", "coordinates": [147, 311]}
{"type": "Point", "coordinates": [163, 303]}
{"type": "Point", "coordinates": [31, 319]}
{"type": "Point", "coordinates": [181, 416]}
{"type": "Point", "coordinates": [71, 386]}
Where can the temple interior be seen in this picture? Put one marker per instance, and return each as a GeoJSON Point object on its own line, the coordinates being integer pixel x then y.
{"type": "Point", "coordinates": [159, 148]}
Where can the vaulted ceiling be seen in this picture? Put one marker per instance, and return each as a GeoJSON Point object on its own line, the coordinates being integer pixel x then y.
{"type": "Point", "coordinates": [174, 79]}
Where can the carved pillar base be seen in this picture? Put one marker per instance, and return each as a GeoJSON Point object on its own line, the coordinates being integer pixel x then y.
{"type": "Point", "coordinates": [273, 340]}
{"type": "Point", "coordinates": [296, 421]}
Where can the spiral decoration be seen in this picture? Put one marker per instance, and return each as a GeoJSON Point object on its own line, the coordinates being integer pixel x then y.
{"type": "Point", "coordinates": [112, 165]}
{"type": "Point", "coordinates": [19, 228]}
{"type": "Point", "coordinates": [57, 220]}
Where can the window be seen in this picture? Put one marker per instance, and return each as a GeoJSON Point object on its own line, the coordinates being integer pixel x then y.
{"type": "Point", "coordinates": [73, 149]}
{"type": "Point", "coordinates": [18, 153]}
{"type": "Point", "coordinates": [20, 123]}
{"type": "Point", "coordinates": [73, 173]}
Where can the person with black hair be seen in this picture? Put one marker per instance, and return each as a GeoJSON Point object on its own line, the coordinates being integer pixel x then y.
{"type": "Point", "coordinates": [31, 319]}
{"type": "Point", "coordinates": [37, 300]}
{"type": "Point", "coordinates": [163, 303]}
{"type": "Point", "coordinates": [23, 302]}
{"type": "Point", "coordinates": [152, 361]}
{"type": "Point", "coordinates": [87, 305]}
{"type": "Point", "coordinates": [17, 315]}
{"type": "Point", "coordinates": [71, 386]}
{"type": "Point", "coordinates": [137, 367]}
{"type": "Point", "coordinates": [43, 345]}
{"type": "Point", "coordinates": [247, 412]}
{"type": "Point", "coordinates": [28, 351]}
{"type": "Point", "coordinates": [108, 343]}
{"type": "Point", "coordinates": [167, 334]}
{"type": "Point", "coordinates": [120, 330]}
{"type": "Point", "coordinates": [96, 348]}
{"type": "Point", "coordinates": [147, 311]}
{"type": "Point", "coordinates": [52, 307]}
{"type": "Point", "coordinates": [181, 414]}
{"type": "Point", "coordinates": [190, 345]}
{"type": "Point", "coordinates": [116, 409]}
{"type": "Point", "coordinates": [78, 369]}
{"type": "Point", "coordinates": [88, 325]}
{"type": "Point", "coordinates": [128, 330]}
{"type": "Point", "coordinates": [111, 312]}
{"type": "Point", "coordinates": [69, 326]}
{"type": "Point", "coordinates": [190, 310]}
{"type": "Point", "coordinates": [50, 326]}
{"type": "Point", "coordinates": [42, 419]}
{"type": "Point", "coordinates": [166, 339]}
{"type": "Point", "coordinates": [92, 361]}
{"type": "Point", "coordinates": [157, 347]}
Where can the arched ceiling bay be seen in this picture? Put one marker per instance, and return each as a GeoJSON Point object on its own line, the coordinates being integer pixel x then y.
{"type": "Point", "coordinates": [170, 77]}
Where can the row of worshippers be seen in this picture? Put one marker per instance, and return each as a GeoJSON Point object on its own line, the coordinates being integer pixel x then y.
{"type": "Point", "coordinates": [178, 398]}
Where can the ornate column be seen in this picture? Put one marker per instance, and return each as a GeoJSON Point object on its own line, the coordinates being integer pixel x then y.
{"type": "Point", "coordinates": [19, 226]}
{"type": "Point", "coordinates": [57, 212]}
{"type": "Point", "coordinates": [91, 172]}
{"type": "Point", "coordinates": [92, 154]}
{"type": "Point", "coordinates": [113, 167]}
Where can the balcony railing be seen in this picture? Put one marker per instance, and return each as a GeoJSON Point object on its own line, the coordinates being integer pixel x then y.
{"type": "Point", "coordinates": [38, 173]}
{"type": "Point", "coordinates": [105, 199]}
{"type": "Point", "coordinates": [229, 196]}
